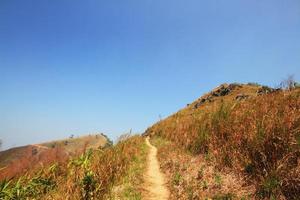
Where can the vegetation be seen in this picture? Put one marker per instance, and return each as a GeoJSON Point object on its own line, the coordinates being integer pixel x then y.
{"type": "Point", "coordinates": [16, 161]}
{"type": "Point", "coordinates": [89, 176]}
{"type": "Point", "coordinates": [130, 186]}
{"type": "Point", "coordinates": [258, 137]}
{"type": "Point", "coordinates": [236, 142]}
{"type": "Point", "coordinates": [196, 177]}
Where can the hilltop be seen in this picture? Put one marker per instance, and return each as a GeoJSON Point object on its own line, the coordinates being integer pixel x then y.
{"type": "Point", "coordinates": [239, 141]}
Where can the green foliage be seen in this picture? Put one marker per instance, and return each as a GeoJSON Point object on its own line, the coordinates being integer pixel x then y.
{"type": "Point", "coordinates": [132, 194]}
{"type": "Point", "coordinates": [208, 156]}
{"type": "Point", "coordinates": [22, 188]}
{"type": "Point", "coordinates": [204, 185]}
{"type": "Point", "coordinates": [249, 169]}
{"type": "Point", "coordinates": [177, 178]}
{"type": "Point", "coordinates": [88, 185]}
{"type": "Point", "coordinates": [269, 187]}
{"type": "Point", "coordinates": [5, 191]}
{"type": "Point", "coordinates": [83, 161]}
{"type": "Point", "coordinates": [218, 180]}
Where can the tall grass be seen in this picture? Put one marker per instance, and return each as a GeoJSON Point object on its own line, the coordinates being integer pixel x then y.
{"type": "Point", "coordinates": [29, 162]}
{"type": "Point", "coordinates": [258, 137]}
{"type": "Point", "coordinates": [89, 176]}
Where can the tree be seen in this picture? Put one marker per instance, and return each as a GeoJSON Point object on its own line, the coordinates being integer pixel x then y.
{"type": "Point", "coordinates": [0, 144]}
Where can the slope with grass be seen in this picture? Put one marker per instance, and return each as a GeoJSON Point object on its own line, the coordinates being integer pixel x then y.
{"type": "Point", "coordinates": [250, 135]}
{"type": "Point", "coordinates": [16, 161]}
{"type": "Point", "coordinates": [94, 175]}
{"type": "Point", "coordinates": [240, 141]}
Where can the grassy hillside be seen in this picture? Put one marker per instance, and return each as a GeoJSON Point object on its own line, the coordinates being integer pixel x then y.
{"type": "Point", "coordinates": [239, 141]}
{"type": "Point", "coordinates": [18, 160]}
{"type": "Point", "coordinates": [247, 130]}
{"type": "Point", "coordinates": [93, 175]}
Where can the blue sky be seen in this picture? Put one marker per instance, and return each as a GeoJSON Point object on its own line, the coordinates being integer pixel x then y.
{"type": "Point", "coordinates": [75, 67]}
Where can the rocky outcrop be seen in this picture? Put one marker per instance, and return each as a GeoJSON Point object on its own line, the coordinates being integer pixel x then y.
{"type": "Point", "coordinates": [220, 91]}
{"type": "Point", "coordinates": [202, 101]}
{"type": "Point", "coordinates": [266, 90]}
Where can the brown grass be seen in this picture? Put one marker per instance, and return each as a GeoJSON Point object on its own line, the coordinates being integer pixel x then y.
{"type": "Point", "coordinates": [17, 161]}
{"type": "Point", "coordinates": [29, 162]}
{"type": "Point", "coordinates": [89, 176]}
{"type": "Point", "coordinates": [194, 177]}
{"type": "Point", "coordinates": [258, 137]}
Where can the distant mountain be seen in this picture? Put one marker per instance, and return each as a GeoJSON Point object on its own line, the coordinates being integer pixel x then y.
{"type": "Point", "coordinates": [17, 161]}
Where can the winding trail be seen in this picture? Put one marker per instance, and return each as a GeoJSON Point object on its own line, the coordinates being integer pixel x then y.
{"type": "Point", "coordinates": [154, 179]}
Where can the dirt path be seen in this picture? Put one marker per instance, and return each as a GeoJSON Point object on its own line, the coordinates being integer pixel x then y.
{"type": "Point", "coordinates": [39, 146]}
{"type": "Point", "coordinates": [154, 179]}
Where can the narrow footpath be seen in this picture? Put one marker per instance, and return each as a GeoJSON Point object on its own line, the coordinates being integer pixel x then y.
{"type": "Point", "coordinates": [154, 178]}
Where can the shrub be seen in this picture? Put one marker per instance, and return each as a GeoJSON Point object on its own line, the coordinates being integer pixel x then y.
{"type": "Point", "coordinates": [269, 188]}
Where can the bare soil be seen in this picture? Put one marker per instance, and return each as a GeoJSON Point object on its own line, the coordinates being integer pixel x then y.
{"type": "Point", "coordinates": [155, 184]}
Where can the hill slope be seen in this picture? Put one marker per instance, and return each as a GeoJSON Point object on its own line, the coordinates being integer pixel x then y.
{"type": "Point", "coordinates": [247, 130]}
{"type": "Point", "coordinates": [114, 172]}
{"type": "Point", "coordinates": [239, 141]}
{"type": "Point", "coordinates": [18, 160]}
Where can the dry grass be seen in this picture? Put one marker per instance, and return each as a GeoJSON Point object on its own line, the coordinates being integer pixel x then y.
{"type": "Point", "coordinates": [90, 176]}
{"type": "Point", "coordinates": [196, 177]}
{"type": "Point", "coordinates": [16, 161]}
{"type": "Point", "coordinates": [257, 137]}
{"type": "Point", "coordinates": [29, 162]}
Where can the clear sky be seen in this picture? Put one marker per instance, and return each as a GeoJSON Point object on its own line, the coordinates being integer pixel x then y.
{"type": "Point", "coordinates": [81, 66]}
